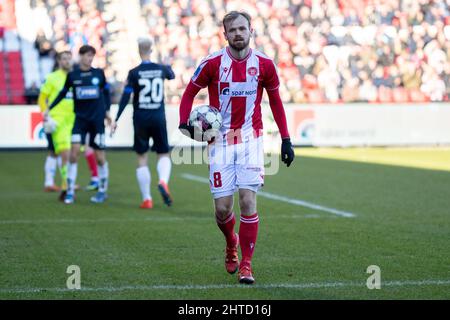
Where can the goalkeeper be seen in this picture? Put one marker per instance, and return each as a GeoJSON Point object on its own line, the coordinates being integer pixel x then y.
{"type": "Point", "coordinates": [59, 122]}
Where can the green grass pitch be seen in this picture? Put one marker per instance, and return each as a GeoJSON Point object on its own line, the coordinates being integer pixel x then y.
{"type": "Point", "coordinates": [401, 224]}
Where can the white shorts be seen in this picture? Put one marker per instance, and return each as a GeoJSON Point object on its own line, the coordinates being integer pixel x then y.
{"type": "Point", "coordinates": [238, 166]}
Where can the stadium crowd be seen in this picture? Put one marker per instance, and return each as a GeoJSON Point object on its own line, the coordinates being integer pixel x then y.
{"type": "Point", "coordinates": [326, 50]}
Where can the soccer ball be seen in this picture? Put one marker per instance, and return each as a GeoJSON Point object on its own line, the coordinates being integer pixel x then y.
{"type": "Point", "coordinates": [207, 119]}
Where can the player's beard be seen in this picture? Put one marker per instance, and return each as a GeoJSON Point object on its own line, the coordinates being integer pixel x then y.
{"type": "Point", "coordinates": [239, 45]}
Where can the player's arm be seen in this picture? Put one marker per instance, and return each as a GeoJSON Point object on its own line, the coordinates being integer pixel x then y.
{"type": "Point", "coordinates": [107, 100]}
{"type": "Point", "coordinates": [106, 88]}
{"type": "Point", "coordinates": [185, 109]}
{"type": "Point", "coordinates": [126, 95]}
{"type": "Point", "coordinates": [200, 80]}
{"type": "Point", "coordinates": [169, 74]}
{"type": "Point", "coordinates": [42, 101]}
{"type": "Point", "coordinates": [44, 93]}
{"type": "Point", "coordinates": [272, 83]}
{"type": "Point", "coordinates": [67, 85]}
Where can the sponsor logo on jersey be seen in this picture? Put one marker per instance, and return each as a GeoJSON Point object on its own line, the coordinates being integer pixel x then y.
{"type": "Point", "coordinates": [150, 73]}
{"type": "Point", "coordinates": [87, 92]}
{"type": "Point", "coordinates": [225, 88]}
{"type": "Point", "coordinates": [242, 93]}
{"type": "Point", "coordinates": [69, 95]}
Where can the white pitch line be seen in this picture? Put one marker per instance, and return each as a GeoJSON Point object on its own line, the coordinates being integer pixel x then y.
{"type": "Point", "coordinates": [273, 196]}
{"type": "Point", "coordinates": [317, 285]}
{"type": "Point", "coordinates": [101, 220]}
{"type": "Point", "coordinates": [147, 219]}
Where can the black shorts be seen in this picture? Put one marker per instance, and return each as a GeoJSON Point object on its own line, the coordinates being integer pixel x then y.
{"type": "Point", "coordinates": [156, 129]}
{"type": "Point", "coordinates": [96, 130]}
{"type": "Point", "coordinates": [50, 145]}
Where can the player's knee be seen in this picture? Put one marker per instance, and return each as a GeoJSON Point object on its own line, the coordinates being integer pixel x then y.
{"type": "Point", "coordinates": [223, 210]}
{"type": "Point", "coordinates": [247, 203]}
{"type": "Point", "coordinates": [73, 157]}
{"type": "Point", "coordinates": [142, 159]}
{"type": "Point", "coordinates": [101, 158]}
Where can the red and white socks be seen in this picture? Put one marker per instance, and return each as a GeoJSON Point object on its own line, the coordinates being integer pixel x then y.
{"type": "Point", "coordinates": [248, 232]}
{"type": "Point", "coordinates": [227, 227]}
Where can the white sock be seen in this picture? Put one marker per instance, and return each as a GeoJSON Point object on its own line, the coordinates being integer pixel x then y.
{"type": "Point", "coordinates": [50, 170]}
{"type": "Point", "coordinates": [72, 171]}
{"type": "Point", "coordinates": [103, 174]}
{"type": "Point", "coordinates": [163, 167]}
{"type": "Point", "coordinates": [144, 178]}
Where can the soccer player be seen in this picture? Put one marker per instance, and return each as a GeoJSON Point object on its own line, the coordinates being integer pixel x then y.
{"type": "Point", "coordinates": [62, 114]}
{"type": "Point", "coordinates": [235, 77]}
{"type": "Point", "coordinates": [146, 82]}
{"type": "Point", "coordinates": [91, 104]}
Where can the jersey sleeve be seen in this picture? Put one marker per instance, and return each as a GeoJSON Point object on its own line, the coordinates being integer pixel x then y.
{"type": "Point", "coordinates": [168, 73]}
{"type": "Point", "coordinates": [129, 83]}
{"type": "Point", "coordinates": [271, 80]}
{"type": "Point", "coordinates": [44, 93]}
{"type": "Point", "coordinates": [104, 82]}
{"type": "Point", "coordinates": [127, 91]}
{"type": "Point", "coordinates": [202, 75]}
{"type": "Point", "coordinates": [69, 81]}
{"type": "Point", "coordinates": [67, 85]}
{"type": "Point", "coordinates": [46, 88]}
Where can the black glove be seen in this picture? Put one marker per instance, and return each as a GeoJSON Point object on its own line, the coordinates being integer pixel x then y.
{"type": "Point", "coordinates": [287, 152]}
{"type": "Point", "coordinates": [187, 130]}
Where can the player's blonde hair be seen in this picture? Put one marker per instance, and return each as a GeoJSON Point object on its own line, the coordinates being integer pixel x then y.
{"type": "Point", "coordinates": [145, 45]}
{"type": "Point", "coordinates": [233, 15]}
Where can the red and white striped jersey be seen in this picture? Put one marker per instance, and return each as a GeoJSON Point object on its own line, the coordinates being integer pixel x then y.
{"type": "Point", "coordinates": [235, 87]}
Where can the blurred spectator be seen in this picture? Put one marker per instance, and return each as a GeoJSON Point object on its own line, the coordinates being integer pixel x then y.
{"type": "Point", "coordinates": [330, 50]}
{"type": "Point", "coordinates": [43, 45]}
{"type": "Point", "coordinates": [31, 94]}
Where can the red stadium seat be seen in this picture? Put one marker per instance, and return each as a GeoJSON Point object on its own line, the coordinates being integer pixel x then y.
{"type": "Point", "coordinates": [17, 86]}
{"type": "Point", "coordinates": [418, 96]}
{"type": "Point", "coordinates": [385, 94]}
{"type": "Point", "coordinates": [13, 55]}
{"type": "Point", "coordinates": [14, 76]}
{"type": "Point", "coordinates": [4, 99]}
{"type": "Point", "coordinates": [18, 100]}
{"type": "Point", "coordinates": [400, 95]}
{"type": "Point", "coordinates": [315, 96]}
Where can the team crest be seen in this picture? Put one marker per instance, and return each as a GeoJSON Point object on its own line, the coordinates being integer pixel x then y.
{"type": "Point", "coordinates": [252, 71]}
{"type": "Point", "coordinates": [95, 81]}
